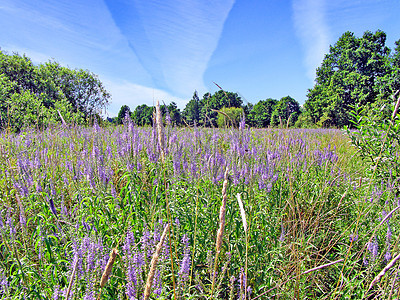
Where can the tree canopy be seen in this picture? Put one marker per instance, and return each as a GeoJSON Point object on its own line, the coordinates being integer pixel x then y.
{"type": "Point", "coordinates": [191, 112]}
{"type": "Point", "coordinates": [262, 111]}
{"type": "Point", "coordinates": [124, 112]}
{"type": "Point", "coordinates": [39, 95]}
{"type": "Point", "coordinates": [211, 103]}
{"type": "Point", "coordinates": [356, 71]}
{"type": "Point", "coordinates": [286, 112]}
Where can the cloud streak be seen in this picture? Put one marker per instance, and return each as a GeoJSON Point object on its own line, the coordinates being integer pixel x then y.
{"type": "Point", "coordinates": [309, 18]}
{"type": "Point", "coordinates": [174, 40]}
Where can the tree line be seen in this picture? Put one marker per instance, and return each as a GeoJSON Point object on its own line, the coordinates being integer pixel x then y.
{"type": "Point", "coordinates": [218, 110]}
{"type": "Point", "coordinates": [357, 71]}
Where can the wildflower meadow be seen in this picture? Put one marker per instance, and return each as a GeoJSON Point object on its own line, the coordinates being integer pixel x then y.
{"type": "Point", "coordinates": [164, 212]}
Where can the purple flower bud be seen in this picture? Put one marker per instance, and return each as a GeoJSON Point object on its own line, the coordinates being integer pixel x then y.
{"type": "Point", "coordinates": [373, 248]}
{"type": "Point", "coordinates": [388, 234]}
{"type": "Point", "coordinates": [365, 261]}
{"type": "Point", "coordinates": [388, 256]}
{"type": "Point", "coordinates": [185, 264]}
{"type": "Point", "coordinates": [353, 237]}
{"type": "Point", "coordinates": [51, 205]}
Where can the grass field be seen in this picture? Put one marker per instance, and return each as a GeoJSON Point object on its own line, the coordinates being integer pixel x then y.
{"type": "Point", "coordinates": [314, 225]}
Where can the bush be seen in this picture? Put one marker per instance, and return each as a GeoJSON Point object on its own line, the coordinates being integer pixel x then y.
{"type": "Point", "coordinates": [377, 138]}
{"type": "Point", "coordinates": [229, 117]}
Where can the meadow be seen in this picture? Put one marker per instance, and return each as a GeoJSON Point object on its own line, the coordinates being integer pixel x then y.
{"type": "Point", "coordinates": [127, 212]}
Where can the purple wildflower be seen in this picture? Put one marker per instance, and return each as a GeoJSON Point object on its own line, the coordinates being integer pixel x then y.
{"type": "Point", "coordinates": [64, 210]}
{"type": "Point", "coordinates": [242, 123]}
{"type": "Point", "coordinates": [365, 261]}
{"type": "Point", "coordinates": [249, 290]}
{"type": "Point", "coordinates": [146, 244]}
{"type": "Point", "coordinates": [185, 264]}
{"type": "Point", "coordinates": [51, 205]}
{"type": "Point", "coordinates": [3, 283]}
{"type": "Point", "coordinates": [89, 295]}
{"type": "Point", "coordinates": [56, 293]}
{"type": "Point", "coordinates": [388, 256]}
{"type": "Point", "coordinates": [373, 248]}
{"type": "Point", "coordinates": [10, 223]}
{"type": "Point", "coordinates": [353, 237]}
{"type": "Point", "coordinates": [388, 234]}
{"type": "Point", "coordinates": [282, 237]}
{"type": "Point", "coordinates": [157, 284]}
{"type": "Point", "coordinates": [22, 219]}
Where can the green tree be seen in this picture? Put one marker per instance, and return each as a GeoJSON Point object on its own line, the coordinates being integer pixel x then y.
{"type": "Point", "coordinates": [25, 109]}
{"type": "Point", "coordinates": [395, 78]}
{"type": "Point", "coordinates": [220, 99]}
{"type": "Point", "coordinates": [262, 111]}
{"type": "Point", "coordinates": [50, 89]}
{"type": "Point", "coordinates": [174, 114]}
{"type": "Point", "coordinates": [247, 113]}
{"type": "Point", "coordinates": [230, 117]}
{"type": "Point", "coordinates": [81, 88]}
{"type": "Point", "coordinates": [355, 71]}
{"type": "Point", "coordinates": [286, 111]}
{"type": "Point", "coordinates": [143, 115]}
{"type": "Point", "coordinates": [191, 112]}
{"type": "Point", "coordinates": [124, 112]}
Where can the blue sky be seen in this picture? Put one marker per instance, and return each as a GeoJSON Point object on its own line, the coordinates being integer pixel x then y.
{"type": "Point", "coordinates": [147, 50]}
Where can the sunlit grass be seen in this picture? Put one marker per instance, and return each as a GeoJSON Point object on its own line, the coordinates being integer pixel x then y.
{"type": "Point", "coordinates": [68, 196]}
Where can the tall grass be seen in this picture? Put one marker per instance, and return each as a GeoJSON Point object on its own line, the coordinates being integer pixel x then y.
{"type": "Point", "coordinates": [70, 195]}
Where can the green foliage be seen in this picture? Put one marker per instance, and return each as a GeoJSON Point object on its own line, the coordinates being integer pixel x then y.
{"type": "Point", "coordinates": [123, 113]}
{"type": "Point", "coordinates": [304, 121]}
{"type": "Point", "coordinates": [73, 195]}
{"type": "Point", "coordinates": [286, 112]}
{"type": "Point", "coordinates": [191, 113]}
{"type": "Point", "coordinates": [356, 71]}
{"type": "Point", "coordinates": [174, 114]}
{"type": "Point", "coordinates": [210, 104]}
{"type": "Point", "coordinates": [143, 115]}
{"type": "Point", "coordinates": [262, 111]}
{"type": "Point", "coordinates": [394, 80]}
{"type": "Point", "coordinates": [247, 113]}
{"type": "Point", "coordinates": [37, 95]}
{"type": "Point", "coordinates": [377, 137]}
{"type": "Point", "coordinates": [81, 88]}
{"type": "Point", "coordinates": [230, 117]}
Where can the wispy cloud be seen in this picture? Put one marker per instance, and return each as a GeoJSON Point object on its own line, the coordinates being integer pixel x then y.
{"type": "Point", "coordinates": [174, 40]}
{"type": "Point", "coordinates": [309, 17]}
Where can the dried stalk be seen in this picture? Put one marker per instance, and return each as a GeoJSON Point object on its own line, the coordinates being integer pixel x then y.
{"type": "Point", "coordinates": [153, 264]}
{"type": "Point", "coordinates": [397, 104]}
{"type": "Point", "coordinates": [385, 269]}
{"type": "Point", "coordinates": [108, 268]}
{"type": "Point", "coordinates": [242, 212]}
{"type": "Point", "coordinates": [220, 232]}
{"type": "Point", "coordinates": [71, 279]}
{"type": "Point", "coordinates": [305, 272]}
